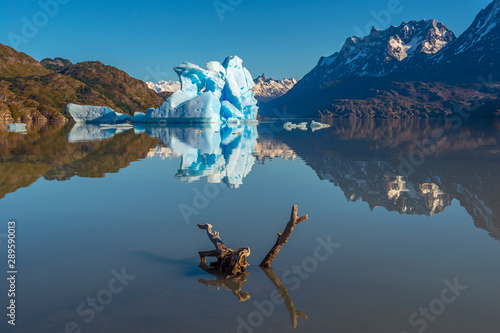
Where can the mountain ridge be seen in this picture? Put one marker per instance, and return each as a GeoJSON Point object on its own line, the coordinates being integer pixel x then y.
{"type": "Point", "coordinates": [384, 73]}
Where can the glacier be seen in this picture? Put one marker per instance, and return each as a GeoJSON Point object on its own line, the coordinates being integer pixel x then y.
{"type": "Point", "coordinates": [218, 93]}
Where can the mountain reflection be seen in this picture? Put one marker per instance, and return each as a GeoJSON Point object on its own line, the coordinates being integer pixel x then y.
{"type": "Point", "coordinates": [362, 158]}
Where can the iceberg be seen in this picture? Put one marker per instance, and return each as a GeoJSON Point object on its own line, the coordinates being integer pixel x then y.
{"type": "Point", "coordinates": [96, 114]}
{"type": "Point", "coordinates": [220, 93]}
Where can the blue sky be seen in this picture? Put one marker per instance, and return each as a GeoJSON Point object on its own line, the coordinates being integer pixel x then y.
{"type": "Point", "coordinates": [281, 38]}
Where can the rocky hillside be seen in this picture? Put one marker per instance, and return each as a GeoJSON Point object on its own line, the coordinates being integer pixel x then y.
{"type": "Point", "coordinates": [418, 69]}
{"type": "Point", "coordinates": [30, 90]}
{"type": "Point", "coordinates": [128, 94]}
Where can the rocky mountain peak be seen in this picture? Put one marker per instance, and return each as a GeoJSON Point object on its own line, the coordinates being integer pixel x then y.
{"type": "Point", "coordinates": [266, 89]}
{"type": "Point", "coordinates": [382, 52]}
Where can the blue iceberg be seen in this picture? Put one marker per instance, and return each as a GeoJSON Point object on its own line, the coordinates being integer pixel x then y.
{"type": "Point", "coordinates": [96, 114]}
{"type": "Point", "coordinates": [218, 93]}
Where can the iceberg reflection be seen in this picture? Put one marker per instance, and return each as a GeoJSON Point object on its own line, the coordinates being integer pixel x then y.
{"type": "Point", "coordinates": [82, 132]}
{"type": "Point", "coordinates": [219, 153]}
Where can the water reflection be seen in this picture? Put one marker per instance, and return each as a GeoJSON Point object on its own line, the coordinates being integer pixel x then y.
{"type": "Point", "coordinates": [82, 132]}
{"type": "Point", "coordinates": [362, 158]}
{"type": "Point", "coordinates": [219, 153]}
{"type": "Point", "coordinates": [370, 161]}
{"type": "Point", "coordinates": [283, 292]}
{"type": "Point", "coordinates": [233, 283]}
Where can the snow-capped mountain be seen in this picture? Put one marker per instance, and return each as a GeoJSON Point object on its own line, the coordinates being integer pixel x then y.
{"type": "Point", "coordinates": [412, 70]}
{"type": "Point", "coordinates": [170, 86]}
{"type": "Point", "coordinates": [266, 89]}
{"type": "Point", "coordinates": [382, 52]}
{"type": "Point", "coordinates": [474, 53]}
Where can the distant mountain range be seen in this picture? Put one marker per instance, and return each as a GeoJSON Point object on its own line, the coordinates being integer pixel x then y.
{"type": "Point", "coordinates": [162, 86]}
{"type": "Point", "coordinates": [267, 89]}
{"type": "Point", "coordinates": [417, 69]}
{"type": "Point", "coordinates": [32, 90]}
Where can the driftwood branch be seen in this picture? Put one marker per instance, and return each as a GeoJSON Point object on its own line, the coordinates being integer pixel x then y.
{"type": "Point", "coordinates": [229, 261]}
{"type": "Point", "coordinates": [283, 292]}
{"type": "Point", "coordinates": [283, 238]}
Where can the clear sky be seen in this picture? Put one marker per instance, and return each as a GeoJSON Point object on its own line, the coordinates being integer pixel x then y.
{"type": "Point", "coordinates": [281, 38]}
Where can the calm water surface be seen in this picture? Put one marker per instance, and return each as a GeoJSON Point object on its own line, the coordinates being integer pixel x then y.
{"type": "Point", "coordinates": [410, 209]}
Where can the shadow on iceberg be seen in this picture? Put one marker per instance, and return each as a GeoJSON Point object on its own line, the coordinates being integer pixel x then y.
{"type": "Point", "coordinates": [219, 153]}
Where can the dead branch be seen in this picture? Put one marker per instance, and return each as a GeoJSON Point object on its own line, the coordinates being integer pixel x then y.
{"type": "Point", "coordinates": [283, 238]}
{"type": "Point", "coordinates": [229, 262]}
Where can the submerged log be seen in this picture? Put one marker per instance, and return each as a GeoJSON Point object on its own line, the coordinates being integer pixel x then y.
{"type": "Point", "coordinates": [229, 262]}
{"type": "Point", "coordinates": [283, 238]}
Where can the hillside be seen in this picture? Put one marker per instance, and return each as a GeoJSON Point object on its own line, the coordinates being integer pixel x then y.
{"type": "Point", "coordinates": [18, 64]}
{"type": "Point", "coordinates": [31, 92]}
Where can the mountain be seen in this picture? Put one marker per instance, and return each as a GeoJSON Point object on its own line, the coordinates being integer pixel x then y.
{"type": "Point", "coordinates": [128, 94]}
{"type": "Point", "coordinates": [417, 69]}
{"type": "Point", "coordinates": [30, 90]}
{"type": "Point", "coordinates": [267, 89]}
{"type": "Point", "coordinates": [381, 53]}
{"type": "Point", "coordinates": [162, 86]}
{"type": "Point", "coordinates": [475, 53]}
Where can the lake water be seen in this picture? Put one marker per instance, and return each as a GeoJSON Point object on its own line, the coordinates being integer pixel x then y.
{"type": "Point", "coordinates": [403, 232]}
